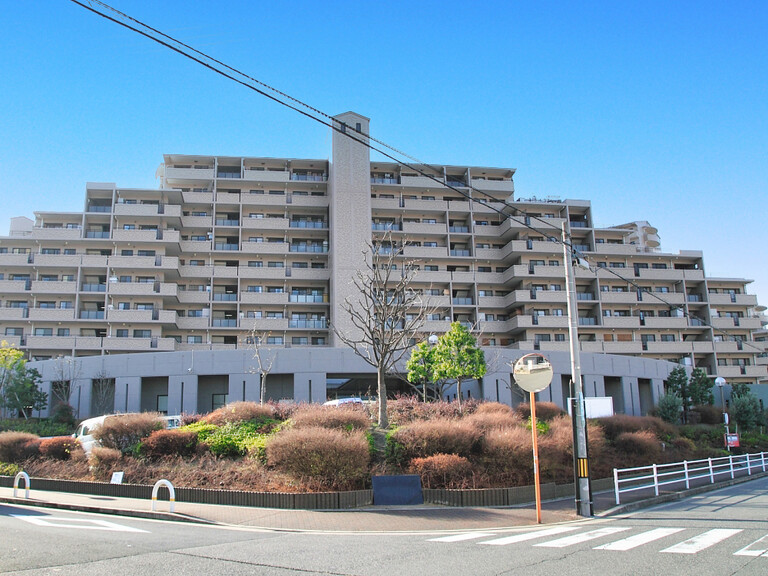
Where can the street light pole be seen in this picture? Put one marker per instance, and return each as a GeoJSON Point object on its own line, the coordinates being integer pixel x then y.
{"type": "Point", "coordinates": [578, 413]}
{"type": "Point", "coordinates": [720, 382]}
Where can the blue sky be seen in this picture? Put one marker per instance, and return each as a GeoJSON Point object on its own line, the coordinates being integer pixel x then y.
{"type": "Point", "coordinates": [654, 111]}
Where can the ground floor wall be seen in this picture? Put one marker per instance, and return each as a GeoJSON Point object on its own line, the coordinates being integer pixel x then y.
{"type": "Point", "coordinates": [200, 381]}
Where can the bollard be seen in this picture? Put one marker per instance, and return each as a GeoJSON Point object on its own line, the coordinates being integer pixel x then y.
{"type": "Point", "coordinates": [171, 493]}
{"type": "Point", "coordinates": [18, 477]}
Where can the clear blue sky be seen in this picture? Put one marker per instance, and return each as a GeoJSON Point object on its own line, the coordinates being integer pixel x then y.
{"type": "Point", "coordinates": [654, 111]}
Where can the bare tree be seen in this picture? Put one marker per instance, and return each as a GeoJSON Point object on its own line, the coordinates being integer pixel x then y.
{"type": "Point", "coordinates": [386, 312]}
{"type": "Point", "coordinates": [264, 358]}
{"type": "Point", "coordinates": [102, 393]}
{"type": "Point", "coordinates": [67, 372]}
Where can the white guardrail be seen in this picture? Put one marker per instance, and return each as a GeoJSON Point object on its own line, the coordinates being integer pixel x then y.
{"type": "Point", "coordinates": [645, 477]}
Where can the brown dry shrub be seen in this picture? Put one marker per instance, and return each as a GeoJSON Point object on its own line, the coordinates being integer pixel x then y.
{"type": "Point", "coordinates": [187, 419]}
{"type": "Point", "coordinates": [442, 436]}
{"type": "Point", "coordinates": [493, 408]}
{"type": "Point", "coordinates": [544, 410]}
{"type": "Point", "coordinates": [638, 448]}
{"type": "Point", "coordinates": [240, 412]}
{"type": "Point", "coordinates": [712, 415]}
{"type": "Point", "coordinates": [406, 409]}
{"type": "Point", "coordinates": [507, 457]}
{"type": "Point", "coordinates": [169, 443]}
{"type": "Point", "coordinates": [321, 457]}
{"type": "Point", "coordinates": [104, 461]}
{"type": "Point", "coordinates": [492, 420]}
{"type": "Point", "coordinates": [123, 432]}
{"type": "Point", "coordinates": [620, 423]}
{"type": "Point", "coordinates": [343, 417]}
{"type": "Point", "coordinates": [59, 447]}
{"type": "Point", "coordinates": [442, 471]}
{"type": "Point", "coordinates": [75, 468]}
{"type": "Point", "coordinates": [18, 446]}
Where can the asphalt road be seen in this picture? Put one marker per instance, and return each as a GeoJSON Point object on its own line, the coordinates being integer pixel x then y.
{"type": "Point", "coordinates": [722, 532]}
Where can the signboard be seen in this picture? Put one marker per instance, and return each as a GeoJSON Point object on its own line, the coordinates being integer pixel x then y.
{"type": "Point", "coordinates": [596, 406]}
{"type": "Point", "coordinates": [117, 478]}
{"type": "Point", "coordinates": [732, 440]}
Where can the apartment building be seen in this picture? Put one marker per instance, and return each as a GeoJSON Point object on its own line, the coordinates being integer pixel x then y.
{"type": "Point", "coordinates": [229, 245]}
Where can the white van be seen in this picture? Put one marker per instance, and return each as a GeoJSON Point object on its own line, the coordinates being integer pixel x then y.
{"type": "Point", "coordinates": [84, 432]}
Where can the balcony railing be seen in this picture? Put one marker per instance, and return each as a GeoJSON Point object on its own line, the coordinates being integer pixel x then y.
{"type": "Point", "coordinates": [459, 252]}
{"type": "Point", "coordinates": [578, 224]}
{"type": "Point", "coordinates": [313, 324]}
{"type": "Point", "coordinates": [307, 224]}
{"type": "Point", "coordinates": [317, 248]}
{"type": "Point", "coordinates": [386, 226]}
{"type": "Point", "coordinates": [306, 298]}
{"type": "Point", "coordinates": [99, 208]}
{"type": "Point", "coordinates": [91, 314]}
{"type": "Point", "coordinates": [94, 288]}
{"type": "Point", "coordinates": [585, 296]}
{"type": "Point", "coordinates": [384, 181]}
{"type": "Point", "coordinates": [308, 177]}
{"type": "Point", "coordinates": [228, 175]}
{"type": "Point", "coordinates": [225, 222]}
{"type": "Point", "coordinates": [586, 321]}
{"type": "Point", "coordinates": [224, 297]}
{"type": "Point", "coordinates": [96, 234]}
{"type": "Point", "coordinates": [225, 246]}
{"type": "Point", "coordinates": [463, 301]}
{"type": "Point", "coordinates": [461, 229]}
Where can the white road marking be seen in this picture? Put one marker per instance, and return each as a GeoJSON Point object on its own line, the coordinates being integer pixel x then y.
{"type": "Point", "coordinates": [639, 539]}
{"type": "Point", "coordinates": [530, 535]}
{"type": "Point", "coordinates": [462, 537]}
{"type": "Point", "coordinates": [583, 537]}
{"type": "Point", "coordinates": [77, 523]}
{"type": "Point", "coordinates": [747, 551]}
{"type": "Point", "coordinates": [702, 541]}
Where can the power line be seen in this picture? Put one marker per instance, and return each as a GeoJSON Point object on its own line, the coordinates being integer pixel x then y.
{"type": "Point", "coordinates": [327, 120]}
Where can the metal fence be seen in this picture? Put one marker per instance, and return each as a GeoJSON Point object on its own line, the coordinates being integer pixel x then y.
{"type": "Point", "coordinates": [685, 473]}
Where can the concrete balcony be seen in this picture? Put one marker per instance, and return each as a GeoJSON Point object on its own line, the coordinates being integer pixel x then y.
{"type": "Point", "coordinates": [188, 222]}
{"type": "Point", "coordinates": [693, 275]}
{"type": "Point", "coordinates": [142, 316]}
{"type": "Point", "coordinates": [631, 322]}
{"type": "Point", "coordinates": [420, 228]}
{"type": "Point", "coordinates": [616, 249]}
{"type": "Point", "coordinates": [187, 271]}
{"type": "Point", "coordinates": [426, 206]}
{"type": "Point", "coordinates": [265, 224]}
{"type": "Point", "coordinates": [436, 301]}
{"type": "Point", "coordinates": [682, 348]}
{"type": "Point", "coordinates": [458, 206]}
{"type": "Point", "coordinates": [56, 234]}
{"type": "Point", "coordinates": [493, 185]}
{"type": "Point", "coordinates": [666, 323]}
{"type": "Point", "coordinates": [432, 276]}
{"type": "Point", "coordinates": [268, 324]}
{"type": "Point", "coordinates": [262, 273]}
{"type": "Point", "coordinates": [759, 371]}
{"type": "Point", "coordinates": [13, 287]}
{"type": "Point", "coordinates": [651, 274]}
{"type": "Point", "coordinates": [735, 300]}
{"type": "Point", "coordinates": [13, 314]}
{"type": "Point", "coordinates": [172, 173]}
{"type": "Point", "coordinates": [264, 247]}
{"type": "Point", "coordinates": [387, 204]}
{"type": "Point", "coordinates": [195, 246]}
{"type": "Point", "coordinates": [436, 326]}
{"type": "Point", "coordinates": [268, 200]}
{"type": "Point", "coordinates": [51, 314]}
{"type": "Point", "coordinates": [141, 289]}
{"type": "Point", "coordinates": [192, 323]}
{"type": "Point", "coordinates": [196, 297]}
{"type": "Point", "coordinates": [702, 347]}
{"type": "Point", "coordinates": [225, 271]}
{"type": "Point", "coordinates": [280, 299]}
{"type": "Point", "coordinates": [726, 347]}
{"type": "Point", "coordinates": [735, 371]}
{"type": "Point", "coordinates": [59, 261]}
{"type": "Point", "coordinates": [227, 198]}
{"type": "Point", "coordinates": [323, 274]}
{"type": "Point", "coordinates": [494, 302]}
{"type": "Point", "coordinates": [623, 347]}
{"type": "Point", "coordinates": [618, 297]}
{"type": "Point", "coordinates": [253, 175]}
{"type": "Point", "coordinates": [136, 235]}
{"type": "Point", "coordinates": [426, 252]}
{"type": "Point", "coordinates": [552, 346]}
{"type": "Point", "coordinates": [51, 342]}
{"type": "Point", "coordinates": [131, 262]}
{"type": "Point", "coordinates": [15, 260]}
{"type": "Point", "coordinates": [197, 197]}
{"type": "Point", "coordinates": [463, 277]}
{"type": "Point", "coordinates": [139, 344]}
{"type": "Point", "coordinates": [538, 296]}
{"type": "Point", "coordinates": [143, 210]}
{"type": "Point", "coordinates": [421, 182]}
{"type": "Point", "coordinates": [311, 201]}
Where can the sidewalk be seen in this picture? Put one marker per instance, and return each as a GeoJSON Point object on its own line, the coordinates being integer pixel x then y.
{"type": "Point", "coordinates": [372, 518]}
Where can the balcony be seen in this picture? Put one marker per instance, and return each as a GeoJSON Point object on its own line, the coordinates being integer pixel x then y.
{"type": "Point", "coordinates": [384, 181]}
{"type": "Point", "coordinates": [229, 175]}
{"type": "Point", "coordinates": [51, 314]}
{"type": "Point", "coordinates": [619, 322]}
{"type": "Point", "coordinates": [226, 246]}
{"type": "Point", "coordinates": [385, 226]}
{"type": "Point", "coordinates": [223, 297]}
{"type": "Point", "coordinates": [254, 175]}
{"type": "Point", "coordinates": [319, 324]}
{"type": "Point", "coordinates": [587, 321]}
{"type": "Point", "coordinates": [96, 234]}
{"type": "Point", "coordinates": [308, 177]}
{"type": "Point", "coordinates": [460, 253]}
{"type": "Point", "coordinates": [227, 222]}
{"type": "Point", "coordinates": [462, 301]}
{"type": "Point", "coordinates": [313, 248]}
{"type": "Point", "coordinates": [92, 315]}
{"type": "Point", "coordinates": [172, 173]}
{"type": "Point", "coordinates": [308, 224]}
{"type": "Point", "coordinates": [93, 288]}
{"type": "Point", "coordinates": [308, 298]}
{"type": "Point", "coordinates": [224, 322]}
{"type": "Point", "coordinates": [459, 229]}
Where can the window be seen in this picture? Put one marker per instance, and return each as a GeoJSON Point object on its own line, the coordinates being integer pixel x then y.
{"type": "Point", "coordinates": [146, 252]}
{"type": "Point", "coordinates": [255, 264]}
{"type": "Point", "coordinates": [49, 305]}
{"type": "Point", "coordinates": [142, 333]}
{"type": "Point", "coordinates": [430, 244]}
{"type": "Point", "coordinates": [66, 305]}
{"type": "Point", "coordinates": [69, 251]}
{"type": "Point", "coordinates": [67, 277]}
{"type": "Point", "coordinates": [273, 314]}
{"type": "Point", "coordinates": [275, 265]}
{"type": "Point", "coordinates": [218, 401]}
{"type": "Point", "coordinates": [430, 267]}
{"type": "Point", "coordinates": [300, 340]}
{"type": "Point", "coordinates": [559, 337]}
{"type": "Point", "coordinates": [275, 289]}
{"type": "Point", "coordinates": [659, 266]}
{"type": "Point", "coordinates": [43, 331]}
{"type": "Point", "coordinates": [129, 226]}
{"type": "Point", "coordinates": [318, 341]}
{"type": "Point", "coordinates": [278, 340]}
{"type": "Point", "coordinates": [276, 193]}
{"type": "Point", "coordinates": [121, 333]}
{"type": "Point", "coordinates": [14, 331]}
{"type": "Point", "coordinates": [617, 265]}
{"type": "Point", "coordinates": [49, 278]}
{"type": "Point", "coordinates": [255, 289]}
{"type": "Point", "coordinates": [162, 403]}
{"type": "Point", "coordinates": [667, 337]}
{"type": "Point", "coordinates": [194, 339]}
{"type": "Point", "coordinates": [145, 306]}
{"type": "Point", "coordinates": [300, 265]}
{"type": "Point", "coordinates": [125, 279]}
{"type": "Point", "coordinates": [483, 268]}
{"type": "Point", "coordinates": [126, 253]}
{"type": "Point", "coordinates": [50, 251]}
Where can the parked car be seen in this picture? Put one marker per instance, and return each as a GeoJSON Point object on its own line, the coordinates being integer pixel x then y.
{"type": "Point", "coordinates": [342, 401]}
{"type": "Point", "coordinates": [84, 432]}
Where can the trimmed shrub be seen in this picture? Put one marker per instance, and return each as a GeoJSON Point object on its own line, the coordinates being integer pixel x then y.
{"type": "Point", "coordinates": [620, 423]}
{"type": "Point", "coordinates": [18, 446]}
{"type": "Point", "coordinates": [442, 471]}
{"type": "Point", "coordinates": [7, 469]}
{"type": "Point", "coordinates": [64, 414]}
{"type": "Point", "coordinates": [422, 439]}
{"type": "Point", "coordinates": [43, 427]}
{"type": "Point", "coordinates": [103, 461]}
{"type": "Point", "coordinates": [493, 408]}
{"type": "Point", "coordinates": [233, 440]}
{"type": "Point", "coordinates": [240, 412]}
{"type": "Point", "coordinates": [124, 432]}
{"type": "Point", "coordinates": [406, 409]}
{"type": "Point", "coordinates": [638, 448]}
{"type": "Point", "coordinates": [711, 415]}
{"type": "Point", "coordinates": [59, 448]}
{"type": "Point", "coordinates": [493, 419]}
{"type": "Point", "coordinates": [345, 417]}
{"type": "Point", "coordinates": [544, 410]}
{"type": "Point", "coordinates": [187, 419]}
{"type": "Point", "coordinates": [507, 457]}
{"type": "Point", "coordinates": [169, 443]}
{"type": "Point", "coordinates": [669, 408]}
{"type": "Point", "coordinates": [323, 458]}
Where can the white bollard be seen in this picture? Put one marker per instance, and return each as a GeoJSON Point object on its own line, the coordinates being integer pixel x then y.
{"type": "Point", "coordinates": [18, 477]}
{"type": "Point", "coordinates": [171, 493]}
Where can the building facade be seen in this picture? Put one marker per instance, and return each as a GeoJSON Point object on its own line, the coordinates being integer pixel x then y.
{"type": "Point", "coordinates": [229, 245]}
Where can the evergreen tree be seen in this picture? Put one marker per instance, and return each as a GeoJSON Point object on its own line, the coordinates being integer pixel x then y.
{"type": "Point", "coordinates": [700, 388]}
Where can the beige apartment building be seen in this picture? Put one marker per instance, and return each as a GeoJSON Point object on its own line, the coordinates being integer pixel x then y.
{"type": "Point", "coordinates": [227, 245]}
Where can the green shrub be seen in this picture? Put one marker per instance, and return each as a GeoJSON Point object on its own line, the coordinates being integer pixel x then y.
{"type": "Point", "coordinates": [323, 458]}
{"type": "Point", "coordinates": [233, 439]}
{"type": "Point", "coordinates": [169, 443]}
{"type": "Point", "coordinates": [18, 446]}
{"type": "Point", "coordinates": [7, 469]}
{"type": "Point", "coordinates": [442, 436]}
{"type": "Point", "coordinates": [746, 412]}
{"type": "Point", "coordinates": [442, 471]}
{"type": "Point", "coordinates": [669, 408]}
{"type": "Point", "coordinates": [202, 429]}
{"type": "Point", "coordinates": [711, 415]}
{"type": "Point", "coordinates": [59, 448]}
{"type": "Point", "coordinates": [45, 427]}
{"type": "Point", "coordinates": [124, 432]}
{"type": "Point", "coordinates": [63, 414]}
{"type": "Point", "coordinates": [240, 412]}
{"type": "Point", "coordinates": [344, 417]}
{"type": "Point", "coordinates": [544, 410]}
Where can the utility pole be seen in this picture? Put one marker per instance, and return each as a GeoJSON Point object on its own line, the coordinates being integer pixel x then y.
{"type": "Point", "coordinates": [578, 413]}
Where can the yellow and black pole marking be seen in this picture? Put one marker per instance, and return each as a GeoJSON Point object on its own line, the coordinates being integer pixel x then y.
{"type": "Point", "coordinates": [582, 465]}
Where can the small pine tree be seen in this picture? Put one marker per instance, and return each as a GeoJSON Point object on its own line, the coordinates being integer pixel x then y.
{"type": "Point", "coordinates": [700, 389]}
{"type": "Point", "coordinates": [746, 411]}
{"type": "Point", "coordinates": [669, 408]}
{"type": "Point", "coordinates": [677, 383]}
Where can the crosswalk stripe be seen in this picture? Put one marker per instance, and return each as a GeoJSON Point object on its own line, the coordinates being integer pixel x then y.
{"type": "Point", "coordinates": [462, 537]}
{"type": "Point", "coordinates": [639, 539]}
{"type": "Point", "coordinates": [747, 551]}
{"type": "Point", "coordinates": [530, 535]}
{"type": "Point", "coordinates": [702, 541]}
{"type": "Point", "coordinates": [583, 537]}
